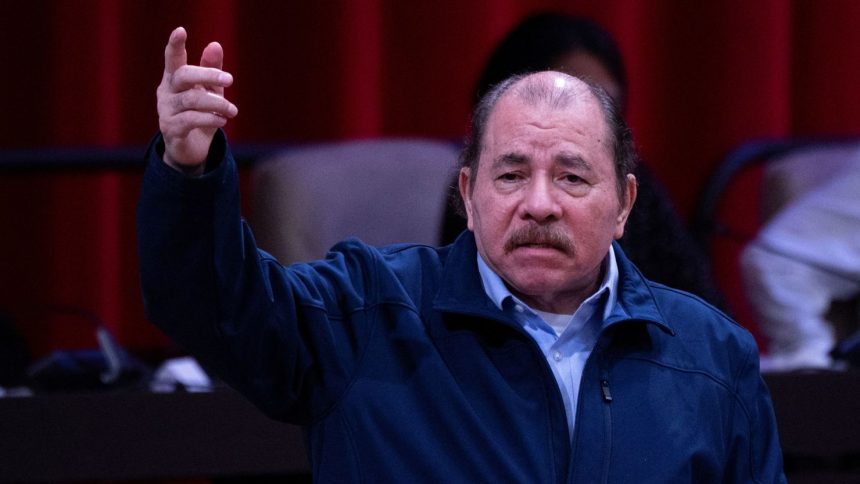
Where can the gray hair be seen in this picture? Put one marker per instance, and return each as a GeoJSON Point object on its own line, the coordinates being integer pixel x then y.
{"type": "Point", "coordinates": [620, 137]}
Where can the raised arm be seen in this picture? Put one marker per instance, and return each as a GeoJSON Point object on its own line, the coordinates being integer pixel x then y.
{"type": "Point", "coordinates": [191, 103]}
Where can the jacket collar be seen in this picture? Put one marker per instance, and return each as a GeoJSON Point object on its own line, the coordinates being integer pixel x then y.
{"type": "Point", "coordinates": [635, 300]}
{"type": "Point", "coordinates": [463, 292]}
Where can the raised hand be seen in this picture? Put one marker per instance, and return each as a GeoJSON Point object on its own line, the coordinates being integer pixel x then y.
{"type": "Point", "coordinates": [191, 103]}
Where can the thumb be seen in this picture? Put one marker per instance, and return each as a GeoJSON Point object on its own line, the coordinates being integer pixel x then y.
{"type": "Point", "coordinates": [175, 55]}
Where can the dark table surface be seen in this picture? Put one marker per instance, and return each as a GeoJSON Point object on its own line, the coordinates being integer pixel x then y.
{"type": "Point", "coordinates": [143, 435]}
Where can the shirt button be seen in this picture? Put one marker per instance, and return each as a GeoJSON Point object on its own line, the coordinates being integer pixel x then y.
{"type": "Point", "coordinates": [519, 308]}
{"type": "Point", "coordinates": [556, 355]}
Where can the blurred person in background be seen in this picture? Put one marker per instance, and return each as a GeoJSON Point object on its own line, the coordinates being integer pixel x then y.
{"type": "Point", "coordinates": [803, 260]}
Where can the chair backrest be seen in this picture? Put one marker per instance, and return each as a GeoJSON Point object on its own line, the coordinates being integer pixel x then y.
{"type": "Point", "coordinates": [751, 185]}
{"type": "Point", "coordinates": [383, 191]}
{"type": "Point", "coordinates": [801, 170]}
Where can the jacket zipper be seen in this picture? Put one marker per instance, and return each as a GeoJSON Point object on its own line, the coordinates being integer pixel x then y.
{"type": "Point", "coordinates": [596, 357]}
{"type": "Point", "coordinates": [604, 389]}
{"type": "Point", "coordinates": [607, 419]}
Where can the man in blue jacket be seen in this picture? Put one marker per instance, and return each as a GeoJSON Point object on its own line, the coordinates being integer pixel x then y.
{"type": "Point", "coordinates": [530, 350]}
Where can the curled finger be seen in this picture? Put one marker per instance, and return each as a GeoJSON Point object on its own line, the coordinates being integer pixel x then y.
{"type": "Point", "coordinates": [183, 123]}
{"type": "Point", "coordinates": [202, 100]}
{"type": "Point", "coordinates": [188, 77]}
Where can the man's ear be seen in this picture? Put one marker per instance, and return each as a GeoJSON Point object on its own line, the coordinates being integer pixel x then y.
{"type": "Point", "coordinates": [626, 205]}
{"type": "Point", "coordinates": [466, 194]}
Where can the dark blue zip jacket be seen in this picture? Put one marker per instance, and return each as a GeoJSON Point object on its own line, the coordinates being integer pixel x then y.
{"type": "Point", "coordinates": [402, 370]}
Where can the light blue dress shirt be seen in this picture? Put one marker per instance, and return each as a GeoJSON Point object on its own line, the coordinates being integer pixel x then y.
{"type": "Point", "coordinates": [566, 348]}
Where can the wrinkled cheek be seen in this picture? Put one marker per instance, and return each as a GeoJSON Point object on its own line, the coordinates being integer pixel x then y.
{"type": "Point", "coordinates": [489, 228]}
{"type": "Point", "coordinates": [590, 247]}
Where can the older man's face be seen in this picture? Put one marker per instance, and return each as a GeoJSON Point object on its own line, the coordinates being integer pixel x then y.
{"type": "Point", "coordinates": [545, 204]}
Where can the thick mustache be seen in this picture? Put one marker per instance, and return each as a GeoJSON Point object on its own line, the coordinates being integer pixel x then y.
{"type": "Point", "coordinates": [549, 235]}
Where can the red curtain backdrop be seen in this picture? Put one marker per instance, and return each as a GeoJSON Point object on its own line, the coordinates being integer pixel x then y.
{"type": "Point", "coordinates": [705, 76]}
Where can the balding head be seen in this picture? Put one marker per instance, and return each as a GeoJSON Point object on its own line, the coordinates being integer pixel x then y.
{"type": "Point", "coordinates": [553, 90]}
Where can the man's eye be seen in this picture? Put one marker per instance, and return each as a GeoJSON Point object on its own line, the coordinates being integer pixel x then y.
{"type": "Point", "coordinates": [573, 178]}
{"type": "Point", "coordinates": [509, 177]}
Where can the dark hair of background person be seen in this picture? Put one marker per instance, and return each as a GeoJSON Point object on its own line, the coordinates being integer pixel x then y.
{"type": "Point", "coordinates": [540, 43]}
{"type": "Point", "coordinates": [655, 238]}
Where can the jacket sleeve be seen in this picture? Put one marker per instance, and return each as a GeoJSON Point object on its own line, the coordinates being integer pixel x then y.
{"type": "Point", "coordinates": [281, 336]}
{"type": "Point", "coordinates": [756, 455]}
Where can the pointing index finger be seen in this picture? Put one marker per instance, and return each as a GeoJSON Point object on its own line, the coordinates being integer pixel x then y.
{"type": "Point", "coordinates": [175, 55]}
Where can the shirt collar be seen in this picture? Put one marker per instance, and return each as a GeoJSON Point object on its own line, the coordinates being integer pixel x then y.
{"type": "Point", "coordinates": [497, 291]}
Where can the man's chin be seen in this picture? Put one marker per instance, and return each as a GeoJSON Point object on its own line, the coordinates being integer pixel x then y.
{"type": "Point", "coordinates": [539, 268]}
{"type": "Point", "coordinates": [531, 287]}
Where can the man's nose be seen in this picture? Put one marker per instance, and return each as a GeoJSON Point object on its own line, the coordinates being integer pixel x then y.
{"type": "Point", "coordinates": [540, 201]}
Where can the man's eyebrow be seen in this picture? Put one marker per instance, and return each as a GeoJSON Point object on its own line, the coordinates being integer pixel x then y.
{"type": "Point", "coordinates": [509, 159]}
{"type": "Point", "coordinates": [571, 160]}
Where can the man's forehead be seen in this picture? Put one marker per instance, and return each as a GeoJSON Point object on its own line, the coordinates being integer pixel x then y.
{"type": "Point", "coordinates": [560, 106]}
{"type": "Point", "coordinates": [563, 158]}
